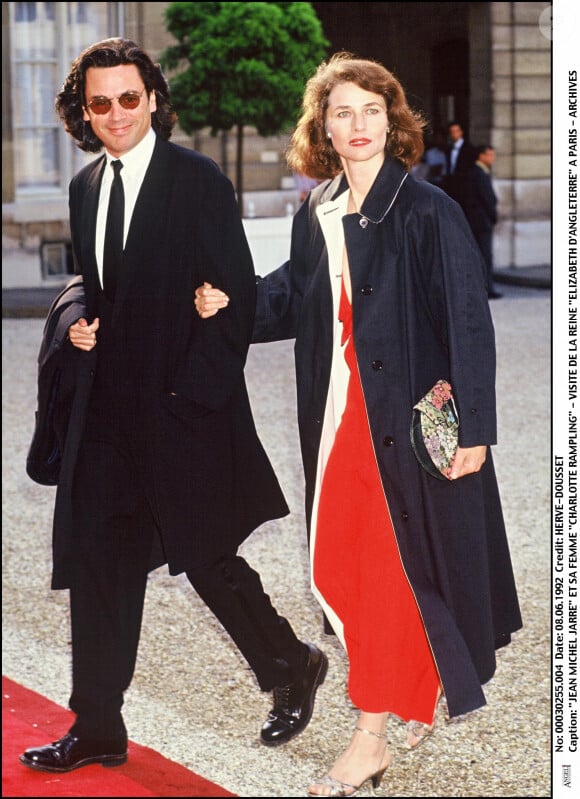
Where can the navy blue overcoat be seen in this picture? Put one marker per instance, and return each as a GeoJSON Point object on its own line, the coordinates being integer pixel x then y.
{"type": "Point", "coordinates": [420, 314]}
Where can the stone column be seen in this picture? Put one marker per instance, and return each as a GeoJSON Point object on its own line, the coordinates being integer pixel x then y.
{"type": "Point", "coordinates": [521, 133]}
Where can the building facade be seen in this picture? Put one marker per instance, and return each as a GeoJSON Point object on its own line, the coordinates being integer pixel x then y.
{"type": "Point", "coordinates": [488, 64]}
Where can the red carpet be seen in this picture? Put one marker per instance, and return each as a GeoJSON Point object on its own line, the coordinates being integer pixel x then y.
{"type": "Point", "coordinates": [29, 719]}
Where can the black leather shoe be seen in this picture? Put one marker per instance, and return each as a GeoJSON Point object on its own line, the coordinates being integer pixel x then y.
{"type": "Point", "coordinates": [69, 753]}
{"type": "Point", "coordinates": [294, 703]}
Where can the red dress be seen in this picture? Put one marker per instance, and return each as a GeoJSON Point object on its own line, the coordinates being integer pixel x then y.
{"type": "Point", "coordinates": [357, 568]}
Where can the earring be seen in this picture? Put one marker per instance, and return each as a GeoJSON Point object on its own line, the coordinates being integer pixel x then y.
{"type": "Point", "coordinates": [328, 134]}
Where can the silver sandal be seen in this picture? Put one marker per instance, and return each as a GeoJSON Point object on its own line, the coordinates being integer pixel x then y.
{"type": "Point", "coordinates": [420, 731]}
{"type": "Point", "coordinates": [339, 788]}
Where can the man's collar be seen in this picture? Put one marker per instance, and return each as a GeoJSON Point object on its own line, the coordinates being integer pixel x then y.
{"type": "Point", "coordinates": [141, 152]}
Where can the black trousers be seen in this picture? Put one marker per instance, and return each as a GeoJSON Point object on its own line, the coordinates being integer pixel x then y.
{"type": "Point", "coordinates": [484, 239]}
{"type": "Point", "coordinates": [113, 525]}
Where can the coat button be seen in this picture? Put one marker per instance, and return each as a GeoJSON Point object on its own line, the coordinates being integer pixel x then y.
{"type": "Point", "coordinates": [366, 290]}
{"type": "Point", "coordinates": [405, 516]}
{"type": "Point", "coordinates": [388, 441]}
{"type": "Point", "coordinates": [377, 365]}
{"type": "Point", "coordinates": [474, 410]}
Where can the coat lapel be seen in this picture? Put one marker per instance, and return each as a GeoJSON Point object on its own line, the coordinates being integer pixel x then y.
{"type": "Point", "coordinates": [89, 227]}
{"type": "Point", "coordinates": [362, 231]}
{"type": "Point", "coordinates": [384, 191]}
{"type": "Point", "coordinates": [330, 215]}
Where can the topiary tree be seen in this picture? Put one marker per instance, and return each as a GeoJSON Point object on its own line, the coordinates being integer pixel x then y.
{"type": "Point", "coordinates": [239, 64]}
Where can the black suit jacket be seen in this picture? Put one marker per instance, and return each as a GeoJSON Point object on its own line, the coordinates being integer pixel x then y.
{"type": "Point", "coordinates": [210, 482]}
{"type": "Point", "coordinates": [480, 201]}
{"type": "Point", "coordinates": [454, 184]}
{"type": "Point", "coordinates": [465, 158]}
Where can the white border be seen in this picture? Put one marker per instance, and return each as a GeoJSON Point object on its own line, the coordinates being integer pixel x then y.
{"type": "Point", "coordinates": [565, 405]}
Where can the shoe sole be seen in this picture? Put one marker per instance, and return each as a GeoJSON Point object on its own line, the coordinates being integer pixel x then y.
{"type": "Point", "coordinates": [320, 677]}
{"type": "Point", "coordinates": [108, 761]}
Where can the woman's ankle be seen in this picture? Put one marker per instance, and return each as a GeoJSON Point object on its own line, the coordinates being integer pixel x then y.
{"type": "Point", "coordinates": [372, 723]}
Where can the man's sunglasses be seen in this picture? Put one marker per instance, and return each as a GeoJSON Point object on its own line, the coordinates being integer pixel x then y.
{"type": "Point", "coordinates": [127, 100]}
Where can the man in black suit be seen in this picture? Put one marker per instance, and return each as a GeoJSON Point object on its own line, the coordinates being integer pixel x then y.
{"type": "Point", "coordinates": [480, 207]}
{"type": "Point", "coordinates": [157, 426]}
{"type": "Point", "coordinates": [460, 155]}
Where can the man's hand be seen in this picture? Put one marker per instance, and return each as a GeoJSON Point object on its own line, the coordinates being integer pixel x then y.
{"type": "Point", "coordinates": [208, 301]}
{"type": "Point", "coordinates": [82, 335]}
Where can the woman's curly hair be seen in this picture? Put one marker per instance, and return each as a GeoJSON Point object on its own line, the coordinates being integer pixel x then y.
{"type": "Point", "coordinates": [71, 99]}
{"type": "Point", "coordinates": [311, 151]}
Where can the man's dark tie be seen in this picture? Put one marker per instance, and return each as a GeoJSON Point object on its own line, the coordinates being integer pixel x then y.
{"type": "Point", "coordinates": [113, 251]}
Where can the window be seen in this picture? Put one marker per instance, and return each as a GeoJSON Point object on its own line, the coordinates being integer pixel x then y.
{"type": "Point", "coordinates": [45, 38]}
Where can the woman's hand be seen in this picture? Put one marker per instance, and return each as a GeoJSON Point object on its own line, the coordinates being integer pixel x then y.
{"type": "Point", "coordinates": [208, 301]}
{"type": "Point", "coordinates": [82, 335]}
{"type": "Point", "coordinates": [467, 460]}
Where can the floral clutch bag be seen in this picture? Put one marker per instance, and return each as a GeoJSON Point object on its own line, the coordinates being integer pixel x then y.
{"type": "Point", "coordinates": [434, 430]}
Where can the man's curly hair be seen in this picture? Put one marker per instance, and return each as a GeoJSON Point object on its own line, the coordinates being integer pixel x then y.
{"type": "Point", "coordinates": [71, 99]}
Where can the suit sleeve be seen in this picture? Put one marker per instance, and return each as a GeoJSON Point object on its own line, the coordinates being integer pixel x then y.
{"type": "Point", "coordinates": [279, 294]}
{"type": "Point", "coordinates": [216, 355]}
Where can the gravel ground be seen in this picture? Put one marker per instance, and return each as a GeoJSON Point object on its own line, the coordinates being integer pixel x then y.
{"type": "Point", "coordinates": [193, 697]}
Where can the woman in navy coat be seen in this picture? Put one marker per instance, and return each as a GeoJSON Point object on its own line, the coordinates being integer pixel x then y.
{"type": "Point", "coordinates": [384, 295]}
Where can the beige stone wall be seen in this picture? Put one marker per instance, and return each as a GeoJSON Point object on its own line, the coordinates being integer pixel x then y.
{"type": "Point", "coordinates": [521, 133]}
{"type": "Point", "coordinates": [511, 99]}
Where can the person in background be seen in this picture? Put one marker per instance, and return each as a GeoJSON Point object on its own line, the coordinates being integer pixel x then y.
{"type": "Point", "coordinates": [158, 421]}
{"type": "Point", "coordinates": [460, 158]}
{"type": "Point", "coordinates": [384, 295]}
{"type": "Point", "coordinates": [304, 185]}
{"type": "Point", "coordinates": [480, 207]}
{"type": "Point", "coordinates": [433, 164]}
{"type": "Point", "coordinates": [436, 159]}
